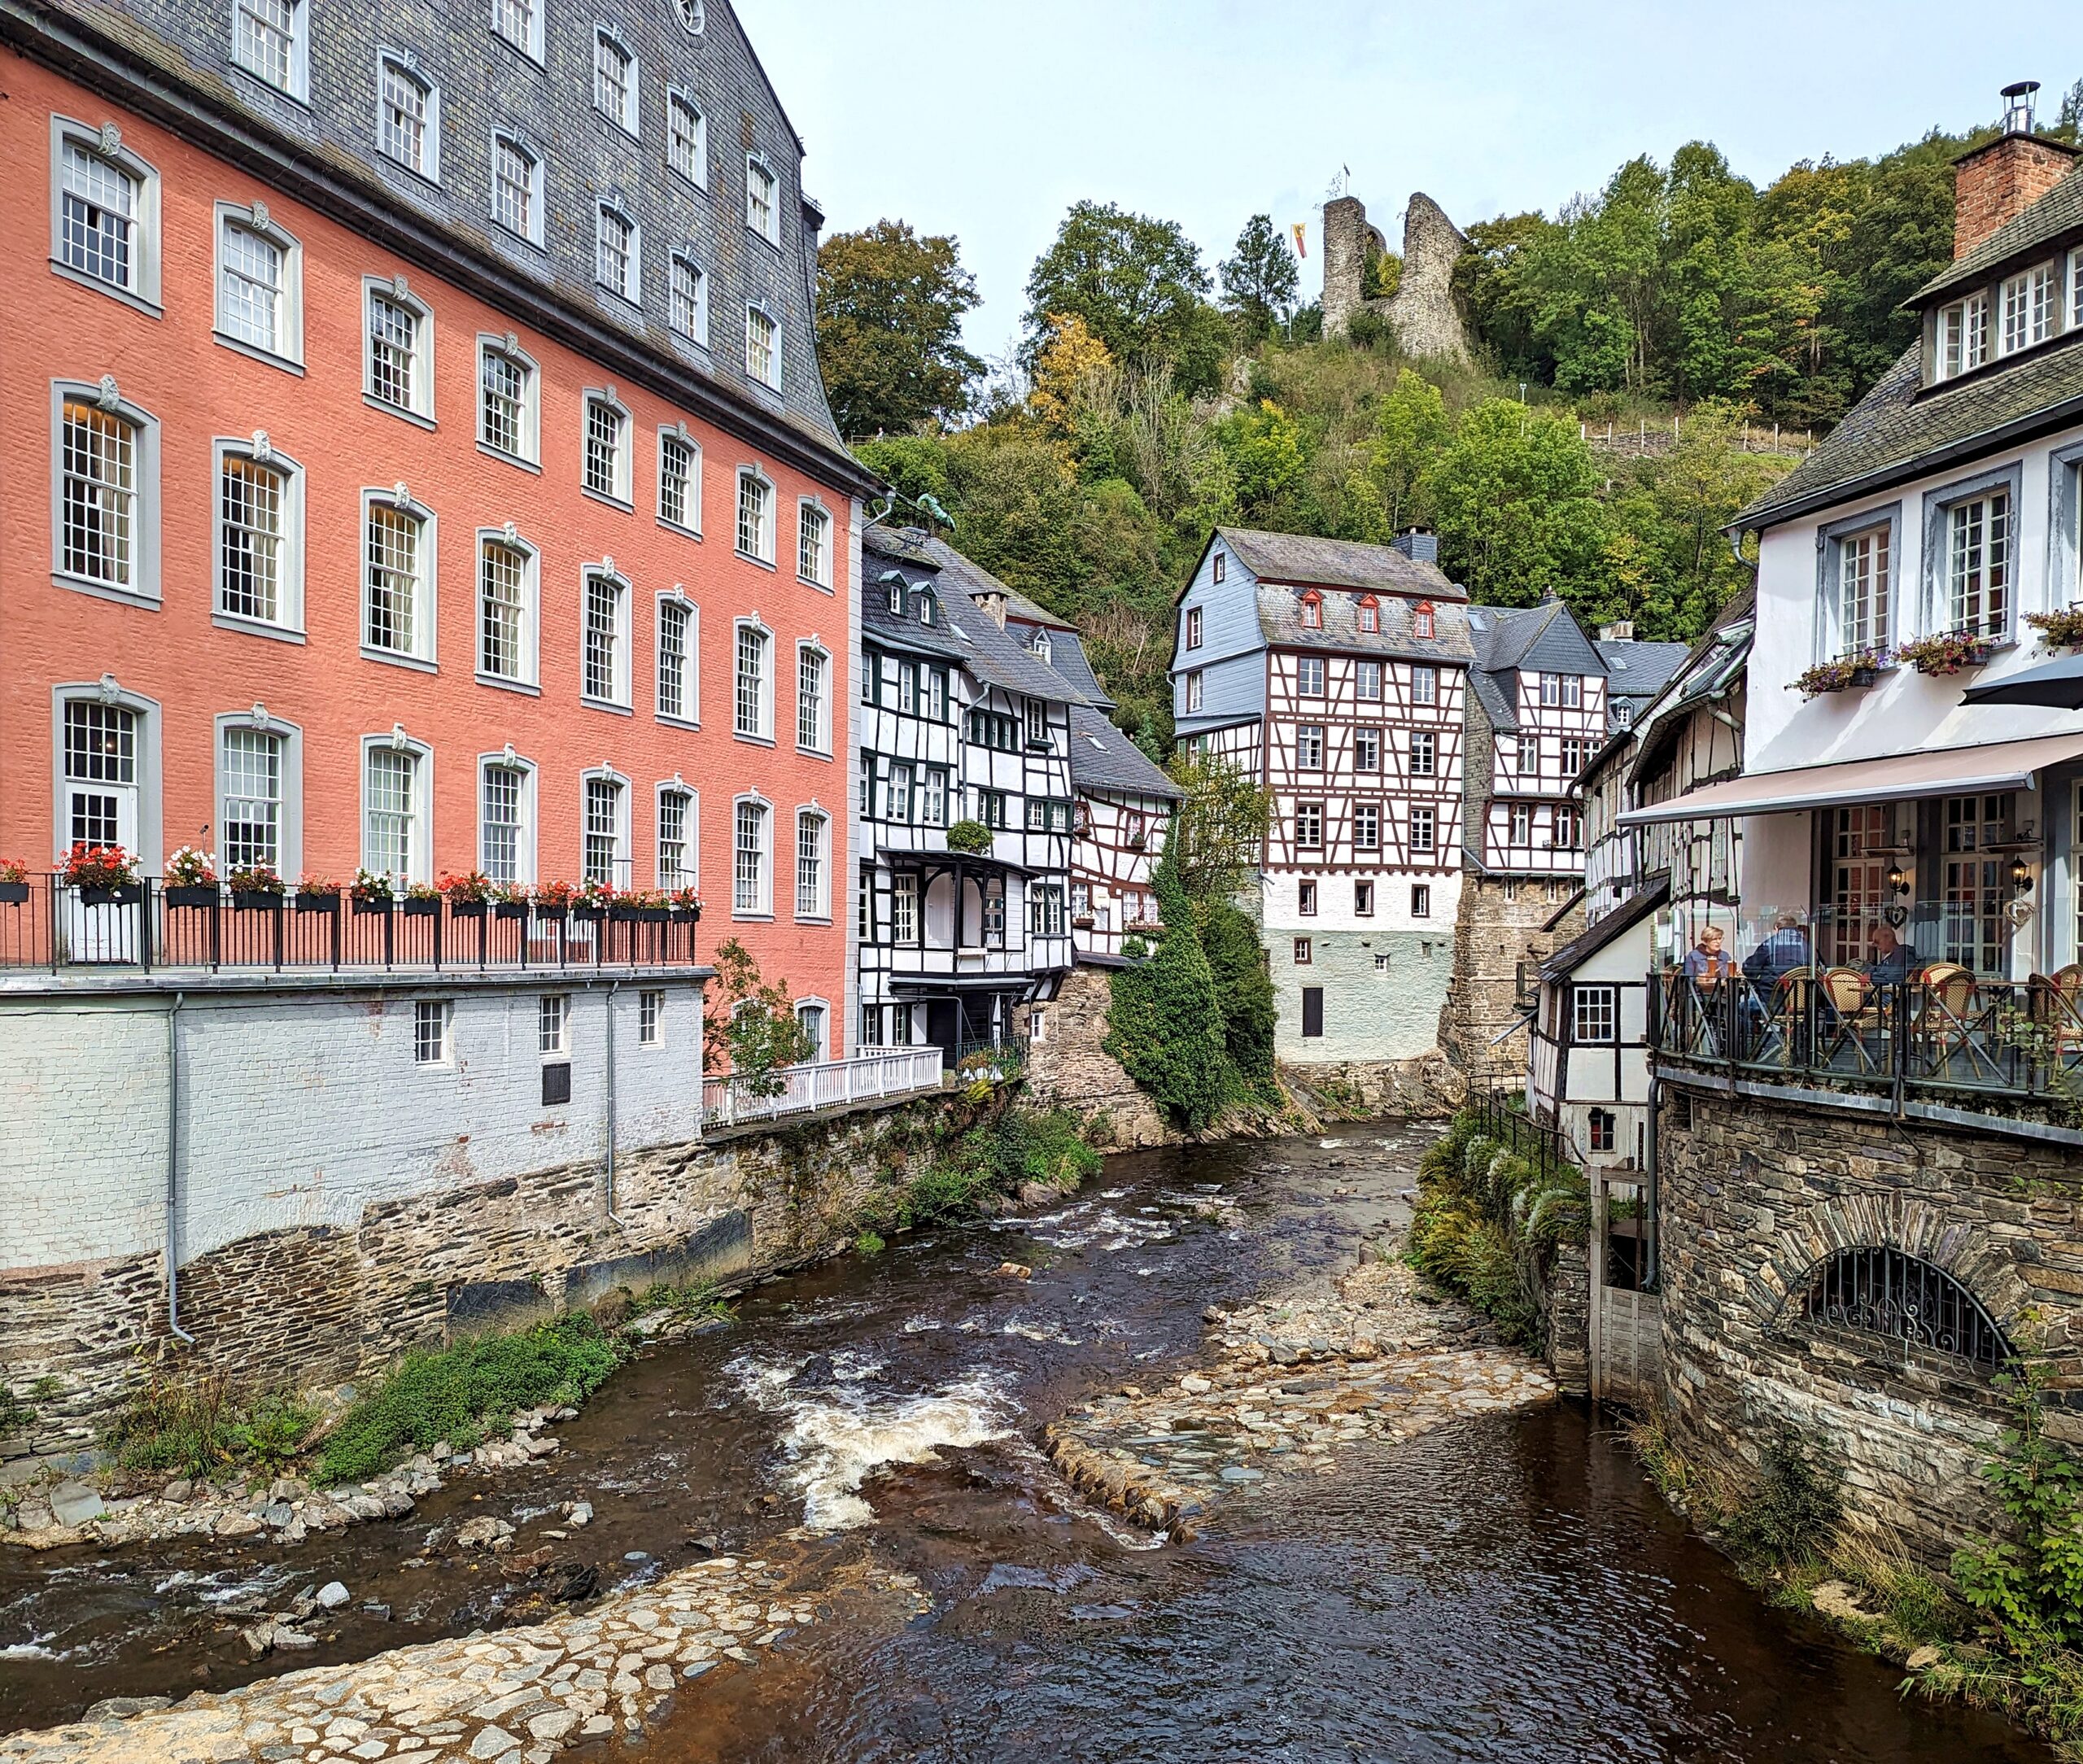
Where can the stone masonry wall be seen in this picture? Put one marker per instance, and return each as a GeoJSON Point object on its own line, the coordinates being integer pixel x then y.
{"type": "Point", "coordinates": [1756, 1193]}
{"type": "Point", "coordinates": [1493, 936]}
{"type": "Point", "coordinates": [1070, 1065]}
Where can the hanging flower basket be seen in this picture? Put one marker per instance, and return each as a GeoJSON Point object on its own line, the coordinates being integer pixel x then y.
{"type": "Point", "coordinates": [1947, 654]}
{"type": "Point", "coordinates": [1847, 673]}
{"type": "Point", "coordinates": [2063, 629]}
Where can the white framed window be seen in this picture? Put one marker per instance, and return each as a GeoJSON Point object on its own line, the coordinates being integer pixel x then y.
{"type": "Point", "coordinates": [1420, 900]}
{"type": "Point", "coordinates": [507, 599]}
{"type": "Point", "coordinates": [606, 445]}
{"type": "Point", "coordinates": [813, 880]}
{"type": "Point", "coordinates": [615, 80]}
{"type": "Point", "coordinates": [1595, 1014]}
{"type": "Point", "coordinates": [692, 15]}
{"type": "Point", "coordinates": [1978, 563]}
{"type": "Point", "coordinates": [762, 199]}
{"type": "Point", "coordinates": [755, 515]}
{"type": "Point", "coordinates": [678, 814]}
{"type": "Point", "coordinates": [105, 474]}
{"type": "Point", "coordinates": [260, 285]}
{"type": "Point", "coordinates": [520, 23]}
{"type": "Point", "coordinates": [680, 479]}
{"type": "Point", "coordinates": [762, 346]}
{"type": "Point", "coordinates": [1423, 829]}
{"type": "Point", "coordinates": [604, 851]}
{"type": "Point", "coordinates": [259, 535]}
{"type": "Point", "coordinates": [270, 41]}
{"type": "Point", "coordinates": [1963, 339]}
{"type": "Point", "coordinates": [1196, 690]}
{"type": "Point", "coordinates": [616, 263]}
{"type": "Point", "coordinates": [679, 628]}
{"type": "Point", "coordinates": [509, 406]}
{"type": "Point", "coordinates": [431, 1032]}
{"type": "Point", "coordinates": [1522, 823]}
{"type": "Point", "coordinates": [553, 1025]}
{"type": "Point", "coordinates": [2028, 306]}
{"type": "Point", "coordinates": [1367, 827]}
{"type": "Point", "coordinates": [651, 1017]}
{"type": "Point", "coordinates": [517, 187]}
{"type": "Point", "coordinates": [1425, 684]}
{"type": "Point", "coordinates": [752, 879]}
{"type": "Point", "coordinates": [506, 819]}
{"type": "Point", "coordinates": [408, 117]}
{"type": "Point", "coordinates": [814, 544]}
{"type": "Point", "coordinates": [688, 311]}
{"type": "Point", "coordinates": [813, 699]}
{"type": "Point", "coordinates": [1865, 590]}
{"type": "Point", "coordinates": [604, 647]}
{"type": "Point", "coordinates": [1367, 750]}
{"type": "Point", "coordinates": [687, 138]}
{"type": "Point", "coordinates": [104, 212]}
{"type": "Point", "coordinates": [1309, 826]}
{"type": "Point", "coordinates": [397, 349]}
{"type": "Point", "coordinates": [753, 689]}
{"type": "Point", "coordinates": [904, 907]}
{"type": "Point", "coordinates": [1367, 681]}
{"type": "Point", "coordinates": [252, 775]}
{"type": "Point", "coordinates": [1309, 746]}
{"type": "Point", "coordinates": [812, 1015]}
{"type": "Point", "coordinates": [395, 804]}
{"type": "Point", "coordinates": [1309, 676]}
{"type": "Point", "coordinates": [397, 577]}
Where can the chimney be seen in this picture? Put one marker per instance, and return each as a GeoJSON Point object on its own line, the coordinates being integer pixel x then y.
{"type": "Point", "coordinates": [1995, 183]}
{"type": "Point", "coordinates": [1420, 545]}
{"type": "Point", "coordinates": [1621, 630]}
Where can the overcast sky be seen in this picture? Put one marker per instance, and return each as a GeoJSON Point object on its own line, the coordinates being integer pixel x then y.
{"type": "Point", "coordinates": [987, 119]}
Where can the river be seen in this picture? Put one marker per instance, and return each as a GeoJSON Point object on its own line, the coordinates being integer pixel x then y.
{"type": "Point", "coordinates": [1507, 1587]}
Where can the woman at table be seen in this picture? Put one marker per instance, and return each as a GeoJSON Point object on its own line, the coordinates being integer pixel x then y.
{"type": "Point", "coordinates": [1705, 965]}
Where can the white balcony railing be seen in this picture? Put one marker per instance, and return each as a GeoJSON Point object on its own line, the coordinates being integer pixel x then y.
{"type": "Point", "coordinates": [887, 1075]}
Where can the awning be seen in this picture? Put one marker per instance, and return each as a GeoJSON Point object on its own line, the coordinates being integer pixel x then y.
{"type": "Point", "coordinates": [1940, 772]}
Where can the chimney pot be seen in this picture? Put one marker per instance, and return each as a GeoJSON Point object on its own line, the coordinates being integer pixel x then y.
{"type": "Point", "coordinates": [1420, 544]}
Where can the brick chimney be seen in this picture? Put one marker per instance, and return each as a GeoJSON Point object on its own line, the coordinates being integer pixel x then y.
{"type": "Point", "coordinates": [1995, 183]}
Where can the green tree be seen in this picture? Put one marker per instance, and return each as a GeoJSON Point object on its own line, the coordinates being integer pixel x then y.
{"type": "Point", "coordinates": [1265, 447]}
{"type": "Point", "coordinates": [1513, 495]}
{"type": "Point", "coordinates": [1138, 283]}
{"type": "Point", "coordinates": [1165, 1019]}
{"type": "Point", "coordinates": [751, 1028]}
{"type": "Point", "coordinates": [1236, 958]}
{"type": "Point", "coordinates": [1218, 827]}
{"type": "Point", "coordinates": [889, 309]}
{"type": "Point", "coordinates": [1259, 282]}
{"type": "Point", "coordinates": [1411, 428]}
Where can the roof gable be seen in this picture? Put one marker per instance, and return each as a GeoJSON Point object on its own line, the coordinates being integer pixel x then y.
{"type": "Point", "coordinates": [1300, 560]}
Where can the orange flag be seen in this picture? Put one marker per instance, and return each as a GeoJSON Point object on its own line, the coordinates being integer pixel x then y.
{"type": "Point", "coordinates": [1301, 244]}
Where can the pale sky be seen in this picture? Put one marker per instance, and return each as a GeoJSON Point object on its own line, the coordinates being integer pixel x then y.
{"type": "Point", "coordinates": [987, 119]}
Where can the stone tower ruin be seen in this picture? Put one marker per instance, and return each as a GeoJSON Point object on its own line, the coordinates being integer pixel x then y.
{"type": "Point", "coordinates": [1422, 311]}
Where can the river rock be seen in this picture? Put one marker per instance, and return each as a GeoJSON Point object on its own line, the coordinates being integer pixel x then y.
{"type": "Point", "coordinates": [238, 1525]}
{"type": "Point", "coordinates": [1840, 1598]}
{"type": "Point", "coordinates": [123, 1708]}
{"type": "Point", "coordinates": [579, 1513]}
{"type": "Point", "coordinates": [34, 1515]}
{"type": "Point", "coordinates": [332, 1595]}
{"type": "Point", "coordinates": [486, 1532]}
{"type": "Point", "coordinates": [1921, 1660]}
{"type": "Point", "coordinates": [178, 1490]}
{"type": "Point", "coordinates": [75, 1503]}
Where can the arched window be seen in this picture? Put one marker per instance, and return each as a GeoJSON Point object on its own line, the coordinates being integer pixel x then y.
{"type": "Point", "coordinates": [1884, 1292]}
{"type": "Point", "coordinates": [1421, 621]}
{"type": "Point", "coordinates": [1313, 611]}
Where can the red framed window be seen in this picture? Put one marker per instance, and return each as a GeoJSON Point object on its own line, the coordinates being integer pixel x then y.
{"type": "Point", "coordinates": [1370, 616]}
{"type": "Point", "coordinates": [1313, 611]}
{"type": "Point", "coordinates": [1421, 621]}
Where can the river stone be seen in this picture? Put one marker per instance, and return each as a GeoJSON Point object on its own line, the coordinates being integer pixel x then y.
{"type": "Point", "coordinates": [332, 1595]}
{"type": "Point", "coordinates": [1238, 1473]}
{"type": "Point", "coordinates": [237, 1525]}
{"type": "Point", "coordinates": [123, 1708]}
{"type": "Point", "coordinates": [493, 1742]}
{"type": "Point", "coordinates": [75, 1503]}
{"type": "Point", "coordinates": [178, 1490]}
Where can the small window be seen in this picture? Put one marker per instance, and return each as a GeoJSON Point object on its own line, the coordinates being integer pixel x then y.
{"type": "Point", "coordinates": [1367, 827]}
{"type": "Point", "coordinates": [1219, 567]}
{"type": "Point", "coordinates": [1304, 952]}
{"type": "Point", "coordinates": [1424, 753]}
{"type": "Point", "coordinates": [1420, 900]}
{"type": "Point", "coordinates": [679, 480]}
{"type": "Point", "coordinates": [1425, 685]}
{"type": "Point", "coordinates": [508, 420]}
{"type": "Point", "coordinates": [605, 639]}
{"type": "Point", "coordinates": [268, 42]}
{"type": "Point", "coordinates": [810, 898]}
{"type": "Point", "coordinates": [258, 285]}
{"type": "Point", "coordinates": [398, 368]}
{"type": "Point", "coordinates": [615, 81]}
{"type": "Point", "coordinates": [676, 699]}
{"type": "Point", "coordinates": [1603, 1128]}
{"type": "Point", "coordinates": [607, 471]}
{"type": "Point", "coordinates": [431, 1022]}
{"type": "Point", "coordinates": [763, 203]}
{"type": "Point", "coordinates": [506, 594]}
{"type": "Point", "coordinates": [1195, 691]}
{"type": "Point", "coordinates": [1362, 900]}
{"type": "Point", "coordinates": [1309, 746]}
{"type": "Point", "coordinates": [516, 188]}
{"type": "Point", "coordinates": [553, 1025]}
{"type": "Point", "coordinates": [520, 23]}
{"type": "Point", "coordinates": [753, 709]}
{"type": "Point", "coordinates": [1313, 611]}
{"type": "Point", "coordinates": [650, 1018]}
{"type": "Point", "coordinates": [1193, 627]}
{"type": "Point", "coordinates": [1309, 826]}
{"type": "Point", "coordinates": [1305, 899]}
{"type": "Point", "coordinates": [687, 139]}
{"type": "Point", "coordinates": [1309, 676]}
{"type": "Point", "coordinates": [688, 313]}
{"type": "Point", "coordinates": [614, 254]}
{"type": "Point", "coordinates": [408, 119]}
{"type": "Point", "coordinates": [1595, 1014]}
{"type": "Point", "coordinates": [1420, 621]}
{"type": "Point", "coordinates": [1568, 833]}
{"type": "Point", "coordinates": [1370, 616]}
{"type": "Point", "coordinates": [814, 545]}
{"type": "Point", "coordinates": [1367, 750]}
{"type": "Point", "coordinates": [398, 583]}
{"type": "Point", "coordinates": [755, 516]}
{"type": "Point", "coordinates": [762, 346]}
{"type": "Point", "coordinates": [1423, 830]}
{"type": "Point", "coordinates": [106, 213]}
{"type": "Point", "coordinates": [2027, 305]}
{"type": "Point", "coordinates": [1367, 682]}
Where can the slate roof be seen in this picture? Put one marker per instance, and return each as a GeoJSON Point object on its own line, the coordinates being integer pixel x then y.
{"type": "Point", "coordinates": [1639, 669]}
{"type": "Point", "coordinates": [1337, 563]}
{"type": "Point", "coordinates": [1031, 612]}
{"type": "Point", "coordinates": [1722, 654]}
{"type": "Point", "coordinates": [2058, 212]}
{"type": "Point", "coordinates": [1509, 639]}
{"type": "Point", "coordinates": [1585, 943]}
{"type": "Point", "coordinates": [1450, 645]}
{"type": "Point", "coordinates": [1067, 656]}
{"type": "Point", "coordinates": [1103, 758]}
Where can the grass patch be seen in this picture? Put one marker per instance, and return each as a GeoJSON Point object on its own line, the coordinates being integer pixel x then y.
{"type": "Point", "coordinates": [201, 1427]}
{"type": "Point", "coordinates": [697, 1302]}
{"type": "Point", "coordinates": [867, 1243]}
{"type": "Point", "coordinates": [14, 1411]}
{"type": "Point", "coordinates": [451, 1395]}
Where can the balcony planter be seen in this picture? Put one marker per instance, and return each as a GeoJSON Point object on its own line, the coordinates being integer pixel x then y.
{"type": "Point", "coordinates": [421, 905]}
{"type": "Point", "coordinates": [1950, 653]}
{"type": "Point", "coordinates": [468, 908]}
{"type": "Point", "coordinates": [13, 893]}
{"type": "Point", "coordinates": [653, 915]}
{"type": "Point", "coordinates": [588, 915]}
{"type": "Point", "coordinates": [1082, 921]}
{"type": "Point", "coordinates": [687, 915]}
{"type": "Point", "coordinates": [624, 913]}
{"type": "Point", "coordinates": [255, 901]}
{"type": "Point", "coordinates": [317, 900]}
{"type": "Point", "coordinates": [371, 906]}
{"type": "Point", "coordinates": [122, 894]}
{"type": "Point", "coordinates": [2062, 628]}
{"type": "Point", "coordinates": [191, 894]}
{"type": "Point", "coordinates": [512, 910]}
{"type": "Point", "coordinates": [1846, 674]}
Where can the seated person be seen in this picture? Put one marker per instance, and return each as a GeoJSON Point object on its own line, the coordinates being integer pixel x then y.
{"type": "Point", "coordinates": [1786, 950]}
{"type": "Point", "coordinates": [1704, 963]}
{"type": "Point", "coordinates": [1893, 961]}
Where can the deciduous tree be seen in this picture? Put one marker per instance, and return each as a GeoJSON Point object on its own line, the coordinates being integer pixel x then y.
{"type": "Point", "coordinates": [1259, 282]}
{"type": "Point", "coordinates": [1137, 283]}
{"type": "Point", "coordinates": [889, 310]}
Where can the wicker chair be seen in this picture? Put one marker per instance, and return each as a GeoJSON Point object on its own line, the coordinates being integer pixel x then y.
{"type": "Point", "coordinates": [1853, 1012]}
{"type": "Point", "coordinates": [1948, 993]}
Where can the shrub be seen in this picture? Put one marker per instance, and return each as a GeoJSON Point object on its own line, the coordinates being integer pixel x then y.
{"type": "Point", "coordinates": [1243, 988]}
{"type": "Point", "coordinates": [970, 836]}
{"type": "Point", "coordinates": [199, 1426]}
{"type": "Point", "coordinates": [450, 1396]}
{"type": "Point", "coordinates": [1794, 1510]}
{"type": "Point", "coordinates": [1165, 1020]}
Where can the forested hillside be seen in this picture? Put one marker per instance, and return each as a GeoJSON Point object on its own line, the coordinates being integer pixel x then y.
{"type": "Point", "coordinates": [1152, 400]}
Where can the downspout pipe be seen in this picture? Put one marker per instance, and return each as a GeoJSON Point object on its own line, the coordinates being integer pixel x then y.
{"type": "Point", "coordinates": [173, 1171]}
{"type": "Point", "coordinates": [613, 987]}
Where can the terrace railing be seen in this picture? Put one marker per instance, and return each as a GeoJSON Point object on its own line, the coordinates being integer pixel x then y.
{"type": "Point", "coordinates": [46, 923]}
{"type": "Point", "coordinates": [887, 1076]}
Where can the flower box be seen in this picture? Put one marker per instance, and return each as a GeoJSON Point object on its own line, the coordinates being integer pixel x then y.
{"type": "Point", "coordinates": [625, 913]}
{"type": "Point", "coordinates": [125, 894]}
{"type": "Point", "coordinates": [257, 901]}
{"type": "Point", "coordinates": [468, 908]}
{"type": "Point", "coordinates": [420, 906]}
{"type": "Point", "coordinates": [318, 902]}
{"type": "Point", "coordinates": [1083, 921]}
{"type": "Point", "coordinates": [2062, 628]}
{"type": "Point", "coordinates": [653, 915]}
{"type": "Point", "coordinates": [510, 910]}
{"type": "Point", "coordinates": [365, 908]}
{"type": "Point", "coordinates": [191, 894]}
{"type": "Point", "coordinates": [687, 915]}
{"type": "Point", "coordinates": [552, 915]}
{"type": "Point", "coordinates": [588, 915]}
{"type": "Point", "coordinates": [1950, 653]}
{"type": "Point", "coordinates": [13, 893]}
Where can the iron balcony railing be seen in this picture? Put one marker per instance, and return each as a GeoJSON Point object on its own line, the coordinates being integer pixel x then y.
{"type": "Point", "coordinates": [1540, 1145]}
{"type": "Point", "coordinates": [873, 1077]}
{"type": "Point", "coordinates": [46, 923]}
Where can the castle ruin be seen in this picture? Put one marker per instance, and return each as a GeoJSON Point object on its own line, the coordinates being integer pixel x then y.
{"type": "Point", "coordinates": [1422, 311]}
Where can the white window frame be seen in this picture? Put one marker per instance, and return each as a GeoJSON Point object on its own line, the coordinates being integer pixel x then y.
{"type": "Point", "coordinates": [393, 292]}
{"type": "Point", "coordinates": [533, 47]}
{"type": "Point", "coordinates": [683, 262]}
{"type": "Point", "coordinates": [529, 437]}
{"type": "Point", "coordinates": [436, 1015]}
{"type": "Point", "coordinates": [760, 311]}
{"type": "Point", "coordinates": [606, 35]}
{"type": "Point", "coordinates": [1425, 815]}
{"type": "Point", "coordinates": [679, 99]}
{"type": "Point", "coordinates": [623, 494]}
{"type": "Point", "coordinates": [287, 351]}
{"type": "Point", "coordinates": [621, 866]}
{"type": "Point", "coordinates": [632, 293]}
{"type": "Point", "coordinates": [651, 1017]}
{"type": "Point", "coordinates": [553, 1026]}
{"type": "Point", "coordinates": [1594, 1006]}
{"type": "Point", "coordinates": [257, 450]}
{"type": "Point", "coordinates": [689, 874]}
{"type": "Point", "coordinates": [688, 715]}
{"type": "Point", "coordinates": [818, 911]}
{"type": "Point", "coordinates": [1961, 339]}
{"type": "Point", "coordinates": [419, 854]}
{"type": "Point", "coordinates": [1311, 669]}
{"type": "Point", "coordinates": [296, 80]}
{"type": "Point", "coordinates": [528, 678]}
{"type": "Point", "coordinates": [288, 833]}
{"type": "Point", "coordinates": [1424, 684]}
{"type": "Point", "coordinates": [524, 148]}
{"type": "Point", "coordinates": [671, 434]}
{"type": "Point", "coordinates": [820, 741]}
{"type": "Point", "coordinates": [1196, 690]}
{"type": "Point", "coordinates": [142, 589]}
{"type": "Point", "coordinates": [423, 653]}
{"type": "Point", "coordinates": [762, 892]}
{"type": "Point", "coordinates": [524, 835]}
{"type": "Point", "coordinates": [762, 729]}
{"type": "Point", "coordinates": [617, 697]}
{"type": "Point", "coordinates": [759, 166]}
{"type": "Point", "coordinates": [104, 145]}
{"type": "Point", "coordinates": [404, 65]}
{"type": "Point", "coordinates": [809, 510]}
{"type": "Point", "coordinates": [821, 1036]}
{"type": "Point", "coordinates": [763, 534]}
{"type": "Point", "coordinates": [2028, 307]}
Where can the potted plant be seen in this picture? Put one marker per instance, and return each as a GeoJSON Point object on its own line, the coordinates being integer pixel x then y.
{"type": "Point", "coordinates": [970, 836]}
{"type": "Point", "coordinates": [685, 906]}
{"type": "Point", "coordinates": [591, 905]}
{"type": "Point", "coordinates": [106, 876]}
{"type": "Point", "coordinates": [422, 901]}
{"type": "Point", "coordinates": [552, 901]}
{"type": "Point", "coordinates": [1082, 921]}
{"type": "Point", "coordinates": [651, 906]}
{"type": "Point", "coordinates": [2062, 628]}
{"type": "Point", "coordinates": [510, 900]}
{"type": "Point", "coordinates": [1847, 673]}
{"type": "Point", "coordinates": [373, 893]}
{"type": "Point", "coordinates": [14, 882]}
{"type": "Point", "coordinates": [468, 895]}
{"type": "Point", "coordinates": [257, 887]}
{"type": "Point", "coordinates": [317, 894]}
{"type": "Point", "coordinates": [1948, 653]}
{"type": "Point", "coordinates": [191, 879]}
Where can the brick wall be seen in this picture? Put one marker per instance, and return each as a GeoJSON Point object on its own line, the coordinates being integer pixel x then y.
{"type": "Point", "coordinates": [2000, 183]}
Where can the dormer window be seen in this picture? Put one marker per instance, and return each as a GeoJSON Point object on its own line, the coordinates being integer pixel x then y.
{"type": "Point", "coordinates": [2026, 306]}
{"type": "Point", "coordinates": [1963, 336]}
{"type": "Point", "coordinates": [1042, 650]}
{"type": "Point", "coordinates": [925, 608]}
{"type": "Point", "coordinates": [1421, 621]}
{"type": "Point", "coordinates": [1370, 616]}
{"type": "Point", "coordinates": [1220, 567]}
{"type": "Point", "coordinates": [1313, 611]}
{"type": "Point", "coordinates": [895, 598]}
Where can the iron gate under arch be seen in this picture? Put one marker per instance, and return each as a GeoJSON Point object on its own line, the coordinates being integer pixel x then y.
{"type": "Point", "coordinates": [1882, 1291]}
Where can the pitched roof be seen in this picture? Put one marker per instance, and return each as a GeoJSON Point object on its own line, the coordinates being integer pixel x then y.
{"type": "Point", "coordinates": [1067, 656]}
{"type": "Point", "coordinates": [1544, 638]}
{"type": "Point", "coordinates": [1639, 669]}
{"type": "Point", "coordinates": [2058, 212]}
{"type": "Point", "coordinates": [1031, 612]}
{"type": "Point", "coordinates": [1103, 758]}
{"type": "Point", "coordinates": [1451, 644]}
{"type": "Point", "coordinates": [1337, 563]}
{"type": "Point", "coordinates": [1585, 943]}
{"type": "Point", "coordinates": [963, 631]}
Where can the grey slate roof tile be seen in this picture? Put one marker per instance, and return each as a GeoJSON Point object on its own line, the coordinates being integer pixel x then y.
{"type": "Point", "coordinates": [1103, 758]}
{"type": "Point", "coordinates": [1339, 563]}
{"type": "Point", "coordinates": [1450, 645]}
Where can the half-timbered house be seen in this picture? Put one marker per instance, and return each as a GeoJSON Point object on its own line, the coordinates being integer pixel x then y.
{"type": "Point", "coordinates": [958, 724]}
{"type": "Point", "coordinates": [1333, 672]}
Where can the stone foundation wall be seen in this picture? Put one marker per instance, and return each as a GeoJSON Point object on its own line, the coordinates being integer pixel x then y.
{"type": "Point", "coordinates": [1425, 1089]}
{"type": "Point", "coordinates": [1492, 936]}
{"type": "Point", "coordinates": [1566, 1303]}
{"type": "Point", "coordinates": [1756, 1192]}
{"type": "Point", "coordinates": [1070, 1065]}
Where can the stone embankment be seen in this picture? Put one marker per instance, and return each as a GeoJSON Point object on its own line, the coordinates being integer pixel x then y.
{"type": "Point", "coordinates": [1373, 1356]}
{"type": "Point", "coordinates": [519, 1696]}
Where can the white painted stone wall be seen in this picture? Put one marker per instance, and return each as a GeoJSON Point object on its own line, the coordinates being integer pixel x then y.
{"type": "Point", "coordinates": [299, 1107]}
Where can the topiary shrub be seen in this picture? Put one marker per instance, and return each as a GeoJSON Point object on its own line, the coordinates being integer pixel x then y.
{"type": "Point", "coordinates": [1164, 1018]}
{"type": "Point", "coordinates": [971, 837]}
